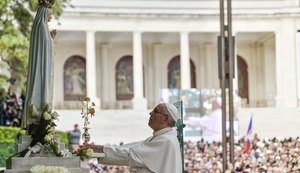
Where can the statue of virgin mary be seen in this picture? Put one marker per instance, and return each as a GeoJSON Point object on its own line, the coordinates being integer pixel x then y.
{"type": "Point", "coordinates": [39, 83]}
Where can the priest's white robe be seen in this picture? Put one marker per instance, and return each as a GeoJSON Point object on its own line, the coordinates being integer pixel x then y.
{"type": "Point", "coordinates": [159, 153]}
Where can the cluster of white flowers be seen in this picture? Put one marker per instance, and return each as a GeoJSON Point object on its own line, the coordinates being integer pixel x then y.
{"type": "Point", "coordinates": [50, 126]}
{"type": "Point", "coordinates": [48, 169]}
{"type": "Point", "coordinates": [89, 152]}
{"type": "Point", "coordinates": [44, 143]}
{"type": "Point", "coordinates": [44, 136]}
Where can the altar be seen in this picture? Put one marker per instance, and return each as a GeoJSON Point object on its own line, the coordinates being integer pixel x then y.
{"type": "Point", "coordinates": [18, 164]}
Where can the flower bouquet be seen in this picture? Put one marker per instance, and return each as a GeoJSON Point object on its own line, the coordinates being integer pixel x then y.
{"type": "Point", "coordinates": [43, 142]}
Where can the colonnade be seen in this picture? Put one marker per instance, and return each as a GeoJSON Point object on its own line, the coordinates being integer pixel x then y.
{"type": "Point", "coordinates": [139, 101]}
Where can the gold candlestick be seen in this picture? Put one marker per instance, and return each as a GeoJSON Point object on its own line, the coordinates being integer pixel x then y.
{"type": "Point", "coordinates": [87, 112]}
{"type": "Point", "coordinates": [86, 135]}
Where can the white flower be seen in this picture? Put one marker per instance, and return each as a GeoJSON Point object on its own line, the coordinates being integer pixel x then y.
{"type": "Point", "coordinates": [48, 137]}
{"type": "Point", "coordinates": [38, 169]}
{"type": "Point", "coordinates": [48, 127]}
{"type": "Point", "coordinates": [48, 169]}
{"type": "Point", "coordinates": [55, 115]}
{"type": "Point", "coordinates": [47, 116]}
{"type": "Point", "coordinates": [66, 153]}
{"type": "Point", "coordinates": [51, 130]}
{"type": "Point", "coordinates": [89, 152]}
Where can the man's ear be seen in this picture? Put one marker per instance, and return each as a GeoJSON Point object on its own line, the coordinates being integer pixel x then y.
{"type": "Point", "coordinates": [166, 120]}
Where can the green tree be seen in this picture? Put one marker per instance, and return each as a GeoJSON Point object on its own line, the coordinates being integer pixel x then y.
{"type": "Point", "coordinates": [16, 18]}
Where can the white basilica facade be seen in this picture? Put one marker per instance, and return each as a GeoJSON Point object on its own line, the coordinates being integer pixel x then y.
{"type": "Point", "coordinates": [123, 52]}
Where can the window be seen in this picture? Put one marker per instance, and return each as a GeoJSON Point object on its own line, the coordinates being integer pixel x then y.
{"type": "Point", "coordinates": [74, 78]}
{"type": "Point", "coordinates": [174, 73]}
{"type": "Point", "coordinates": [124, 78]}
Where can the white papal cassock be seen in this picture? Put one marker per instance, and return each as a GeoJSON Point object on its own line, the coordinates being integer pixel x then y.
{"type": "Point", "coordinates": [159, 153]}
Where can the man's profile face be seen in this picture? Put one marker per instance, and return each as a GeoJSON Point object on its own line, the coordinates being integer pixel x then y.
{"type": "Point", "coordinates": [157, 118]}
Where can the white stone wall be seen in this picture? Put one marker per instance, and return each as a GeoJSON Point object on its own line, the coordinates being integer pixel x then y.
{"type": "Point", "coordinates": [265, 35]}
{"type": "Point", "coordinates": [62, 52]}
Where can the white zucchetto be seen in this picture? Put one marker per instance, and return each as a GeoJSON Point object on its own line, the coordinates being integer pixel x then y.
{"type": "Point", "coordinates": [173, 111]}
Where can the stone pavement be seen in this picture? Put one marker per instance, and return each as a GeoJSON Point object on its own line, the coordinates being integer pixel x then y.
{"type": "Point", "coordinates": [115, 126]}
{"type": "Point", "coordinates": [109, 126]}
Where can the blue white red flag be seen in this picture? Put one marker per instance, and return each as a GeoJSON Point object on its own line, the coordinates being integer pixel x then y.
{"type": "Point", "coordinates": [248, 137]}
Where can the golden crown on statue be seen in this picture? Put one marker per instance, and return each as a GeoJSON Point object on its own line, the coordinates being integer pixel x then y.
{"type": "Point", "coordinates": [46, 3]}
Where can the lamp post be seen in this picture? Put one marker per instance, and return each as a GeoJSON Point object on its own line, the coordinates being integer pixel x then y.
{"type": "Point", "coordinates": [226, 75]}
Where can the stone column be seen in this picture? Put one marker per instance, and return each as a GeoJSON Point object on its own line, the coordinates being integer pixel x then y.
{"type": "Point", "coordinates": [235, 79]}
{"type": "Point", "coordinates": [208, 48]}
{"type": "Point", "coordinates": [157, 77]}
{"type": "Point", "coordinates": [185, 61]}
{"type": "Point", "coordinates": [298, 65]}
{"type": "Point", "coordinates": [202, 67]}
{"type": "Point", "coordinates": [91, 68]}
{"type": "Point", "coordinates": [269, 68]}
{"type": "Point", "coordinates": [139, 102]}
{"type": "Point", "coordinates": [285, 64]}
{"type": "Point", "coordinates": [104, 75]}
{"type": "Point", "coordinates": [259, 74]}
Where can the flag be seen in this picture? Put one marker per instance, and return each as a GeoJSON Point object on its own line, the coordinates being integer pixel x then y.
{"type": "Point", "coordinates": [248, 137]}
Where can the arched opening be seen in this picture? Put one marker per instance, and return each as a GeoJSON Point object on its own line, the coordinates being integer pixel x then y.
{"type": "Point", "coordinates": [174, 73]}
{"type": "Point", "coordinates": [124, 78]}
{"type": "Point", "coordinates": [74, 78]}
{"type": "Point", "coordinates": [243, 85]}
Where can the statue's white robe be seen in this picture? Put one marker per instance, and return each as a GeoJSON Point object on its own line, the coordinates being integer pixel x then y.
{"type": "Point", "coordinates": [159, 153]}
{"type": "Point", "coordinates": [39, 82]}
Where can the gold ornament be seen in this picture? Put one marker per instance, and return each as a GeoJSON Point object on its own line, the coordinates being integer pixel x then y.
{"type": "Point", "coordinates": [46, 3]}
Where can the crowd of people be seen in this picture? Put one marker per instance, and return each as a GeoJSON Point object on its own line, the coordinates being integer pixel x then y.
{"type": "Point", "coordinates": [267, 155]}
{"type": "Point", "coordinates": [11, 108]}
{"type": "Point", "coordinates": [274, 155]}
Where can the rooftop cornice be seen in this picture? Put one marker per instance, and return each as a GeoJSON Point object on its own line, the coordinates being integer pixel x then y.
{"type": "Point", "coordinates": [181, 4]}
{"type": "Point", "coordinates": [239, 13]}
{"type": "Point", "coordinates": [180, 8]}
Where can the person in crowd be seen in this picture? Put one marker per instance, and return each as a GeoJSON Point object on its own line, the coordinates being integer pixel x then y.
{"type": "Point", "coordinates": [15, 122]}
{"type": "Point", "coordinates": [3, 98]}
{"type": "Point", "coordinates": [12, 95]}
{"type": "Point", "coordinates": [13, 109]}
{"type": "Point", "coordinates": [74, 138]}
{"type": "Point", "coordinates": [159, 153]}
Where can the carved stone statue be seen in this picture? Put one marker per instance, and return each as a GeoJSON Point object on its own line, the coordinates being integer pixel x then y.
{"type": "Point", "coordinates": [39, 83]}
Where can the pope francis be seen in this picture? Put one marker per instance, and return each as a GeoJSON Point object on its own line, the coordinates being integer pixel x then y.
{"type": "Point", "coordinates": [159, 153]}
